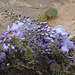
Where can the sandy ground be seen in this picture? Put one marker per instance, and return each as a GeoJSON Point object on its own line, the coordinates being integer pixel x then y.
{"type": "Point", "coordinates": [66, 16]}
{"type": "Point", "coordinates": [66, 11]}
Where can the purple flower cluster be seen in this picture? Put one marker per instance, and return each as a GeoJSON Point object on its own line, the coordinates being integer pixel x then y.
{"type": "Point", "coordinates": [26, 40]}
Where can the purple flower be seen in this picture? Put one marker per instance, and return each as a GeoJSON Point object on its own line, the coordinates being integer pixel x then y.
{"type": "Point", "coordinates": [8, 64]}
{"type": "Point", "coordinates": [1, 67]}
{"type": "Point", "coordinates": [3, 36]}
{"type": "Point", "coordinates": [44, 22]}
{"type": "Point", "coordinates": [21, 51]}
{"type": "Point", "coordinates": [59, 39]}
{"type": "Point", "coordinates": [61, 45]}
{"type": "Point", "coordinates": [15, 50]}
{"type": "Point", "coordinates": [5, 33]}
{"type": "Point", "coordinates": [0, 61]}
{"type": "Point", "coordinates": [20, 62]}
{"type": "Point", "coordinates": [74, 43]}
{"type": "Point", "coordinates": [50, 61]}
{"type": "Point", "coordinates": [8, 29]}
{"type": "Point", "coordinates": [38, 58]}
{"type": "Point", "coordinates": [0, 41]}
{"type": "Point", "coordinates": [38, 40]}
{"type": "Point", "coordinates": [2, 55]}
{"type": "Point", "coordinates": [68, 67]}
{"type": "Point", "coordinates": [48, 52]}
{"type": "Point", "coordinates": [28, 16]}
{"type": "Point", "coordinates": [36, 19]}
{"type": "Point", "coordinates": [68, 35]}
{"type": "Point", "coordinates": [14, 27]}
{"type": "Point", "coordinates": [8, 50]}
{"type": "Point", "coordinates": [0, 38]}
{"type": "Point", "coordinates": [13, 55]}
{"type": "Point", "coordinates": [41, 23]}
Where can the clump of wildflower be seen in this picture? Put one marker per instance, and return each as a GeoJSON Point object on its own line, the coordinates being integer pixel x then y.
{"type": "Point", "coordinates": [31, 43]}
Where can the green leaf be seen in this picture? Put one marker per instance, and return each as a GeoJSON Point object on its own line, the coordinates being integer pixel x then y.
{"type": "Point", "coordinates": [44, 18]}
{"type": "Point", "coordinates": [70, 73]}
{"type": "Point", "coordinates": [28, 52]}
{"type": "Point", "coordinates": [16, 41]}
{"type": "Point", "coordinates": [71, 54]}
{"type": "Point", "coordinates": [32, 62]}
{"type": "Point", "coordinates": [13, 66]}
{"type": "Point", "coordinates": [51, 13]}
{"type": "Point", "coordinates": [15, 60]}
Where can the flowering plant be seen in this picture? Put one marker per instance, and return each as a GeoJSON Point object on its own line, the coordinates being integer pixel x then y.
{"type": "Point", "coordinates": [34, 45]}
